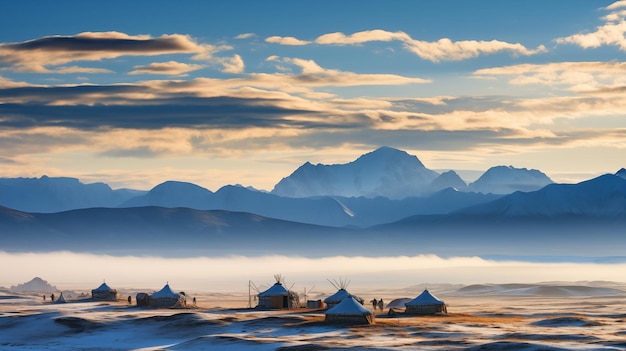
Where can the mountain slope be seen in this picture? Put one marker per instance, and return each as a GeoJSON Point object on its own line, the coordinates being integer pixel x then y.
{"type": "Point", "coordinates": [506, 180]}
{"type": "Point", "coordinates": [384, 172]}
{"type": "Point", "coordinates": [163, 231]}
{"type": "Point", "coordinates": [333, 211]}
{"type": "Point", "coordinates": [604, 196]}
{"type": "Point", "coordinates": [449, 179]}
{"type": "Point", "coordinates": [173, 194]}
{"type": "Point", "coordinates": [48, 194]}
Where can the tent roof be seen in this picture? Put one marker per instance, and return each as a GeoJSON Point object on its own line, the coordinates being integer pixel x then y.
{"type": "Point", "coordinates": [425, 298]}
{"type": "Point", "coordinates": [349, 307]}
{"type": "Point", "coordinates": [275, 290]}
{"type": "Point", "coordinates": [166, 292]}
{"type": "Point", "coordinates": [339, 296]}
{"type": "Point", "coordinates": [61, 299]}
{"type": "Point", "coordinates": [103, 287]}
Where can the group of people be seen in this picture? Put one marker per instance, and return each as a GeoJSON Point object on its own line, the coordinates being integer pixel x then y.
{"type": "Point", "coordinates": [377, 303]}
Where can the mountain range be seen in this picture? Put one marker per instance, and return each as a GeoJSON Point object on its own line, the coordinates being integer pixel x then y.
{"type": "Point", "coordinates": [354, 208]}
{"type": "Point", "coordinates": [384, 173]}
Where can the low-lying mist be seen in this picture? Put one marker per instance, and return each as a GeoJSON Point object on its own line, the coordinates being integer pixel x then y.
{"type": "Point", "coordinates": [69, 270]}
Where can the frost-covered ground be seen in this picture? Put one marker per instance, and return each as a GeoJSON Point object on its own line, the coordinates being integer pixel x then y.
{"type": "Point", "coordinates": [482, 317]}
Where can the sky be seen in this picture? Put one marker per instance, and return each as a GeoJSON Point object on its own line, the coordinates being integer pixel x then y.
{"type": "Point", "coordinates": [134, 93]}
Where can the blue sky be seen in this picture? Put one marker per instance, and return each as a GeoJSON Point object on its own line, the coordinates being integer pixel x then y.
{"type": "Point", "coordinates": [133, 93]}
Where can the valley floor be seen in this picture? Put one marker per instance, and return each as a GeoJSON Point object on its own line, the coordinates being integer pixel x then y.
{"type": "Point", "coordinates": [486, 321]}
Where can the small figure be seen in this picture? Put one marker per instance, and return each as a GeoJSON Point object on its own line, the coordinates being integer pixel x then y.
{"type": "Point", "coordinates": [381, 304]}
{"type": "Point", "coordinates": [52, 297]}
{"type": "Point", "coordinates": [130, 300]}
{"type": "Point", "coordinates": [374, 304]}
{"type": "Point", "coordinates": [44, 297]}
{"type": "Point", "coordinates": [194, 300]}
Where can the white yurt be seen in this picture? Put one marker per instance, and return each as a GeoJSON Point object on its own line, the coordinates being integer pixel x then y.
{"type": "Point", "coordinates": [424, 304]}
{"type": "Point", "coordinates": [167, 298]}
{"type": "Point", "coordinates": [277, 297]}
{"type": "Point", "coordinates": [349, 311]}
{"type": "Point", "coordinates": [341, 294]}
{"type": "Point", "coordinates": [104, 293]}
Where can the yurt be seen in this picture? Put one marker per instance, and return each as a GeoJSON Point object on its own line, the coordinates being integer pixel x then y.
{"type": "Point", "coordinates": [424, 304]}
{"type": "Point", "coordinates": [341, 294]}
{"type": "Point", "coordinates": [167, 298]}
{"type": "Point", "coordinates": [104, 293]}
{"type": "Point", "coordinates": [349, 311]}
{"type": "Point", "coordinates": [278, 297]}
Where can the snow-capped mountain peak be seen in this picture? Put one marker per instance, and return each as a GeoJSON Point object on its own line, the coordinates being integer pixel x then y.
{"type": "Point", "coordinates": [384, 172]}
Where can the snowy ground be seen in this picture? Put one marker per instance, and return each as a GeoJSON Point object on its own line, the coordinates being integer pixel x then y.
{"type": "Point", "coordinates": [482, 317]}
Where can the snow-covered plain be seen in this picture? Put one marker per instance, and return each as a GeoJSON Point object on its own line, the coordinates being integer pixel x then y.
{"type": "Point", "coordinates": [578, 318]}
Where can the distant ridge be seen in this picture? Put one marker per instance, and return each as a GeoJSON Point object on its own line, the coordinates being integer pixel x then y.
{"type": "Point", "coordinates": [508, 179]}
{"type": "Point", "coordinates": [34, 285]}
{"type": "Point", "coordinates": [55, 194]}
{"type": "Point", "coordinates": [604, 196]}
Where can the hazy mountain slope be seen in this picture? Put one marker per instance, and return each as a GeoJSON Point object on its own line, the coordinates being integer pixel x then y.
{"type": "Point", "coordinates": [323, 210]}
{"type": "Point", "coordinates": [506, 180]}
{"type": "Point", "coordinates": [165, 231]}
{"type": "Point", "coordinates": [47, 194]}
{"type": "Point", "coordinates": [368, 212]}
{"type": "Point", "coordinates": [449, 179]}
{"type": "Point", "coordinates": [173, 194]}
{"type": "Point", "coordinates": [586, 219]}
{"type": "Point", "coordinates": [602, 196]}
{"type": "Point", "coordinates": [384, 172]}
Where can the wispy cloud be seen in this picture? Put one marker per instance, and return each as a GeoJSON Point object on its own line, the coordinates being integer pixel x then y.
{"type": "Point", "coordinates": [573, 76]}
{"type": "Point", "coordinates": [286, 41]}
{"type": "Point", "coordinates": [43, 54]}
{"type": "Point", "coordinates": [442, 50]}
{"type": "Point", "coordinates": [172, 68]}
{"type": "Point", "coordinates": [313, 74]}
{"type": "Point", "coordinates": [245, 36]}
{"type": "Point", "coordinates": [611, 33]}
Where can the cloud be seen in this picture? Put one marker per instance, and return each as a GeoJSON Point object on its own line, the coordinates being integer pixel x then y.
{"type": "Point", "coordinates": [314, 75]}
{"type": "Point", "coordinates": [188, 112]}
{"type": "Point", "coordinates": [172, 68]}
{"type": "Point", "coordinates": [616, 5]}
{"type": "Point", "coordinates": [232, 64]}
{"type": "Point", "coordinates": [39, 54]}
{"type": "Point", "coordinates": [611, 33]}
{"type": "Point", "coordinates": [441, 50]}
{"type": "Point", "coordinates": [286, 41]}
{"type": "Point", "coordinates": [245, 36]}
{"type": "Point", "coordinates": [584, 77]}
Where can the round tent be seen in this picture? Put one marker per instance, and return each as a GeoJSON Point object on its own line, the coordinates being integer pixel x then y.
{"type": "Point", "coordinates": [104, 292]}
{"type": "Point", "coordinates": [342, 293]}
{"type": "Point", "coordinates": [424, 304]}
{"type": "Point", "coordinates": [349, 311]}
{"type": "Point", "coordinates": [277, 297]}
{"type": "Point", "coordinates": [336, 298]}
{"type": "Point", "coordinates": [167, 298]}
